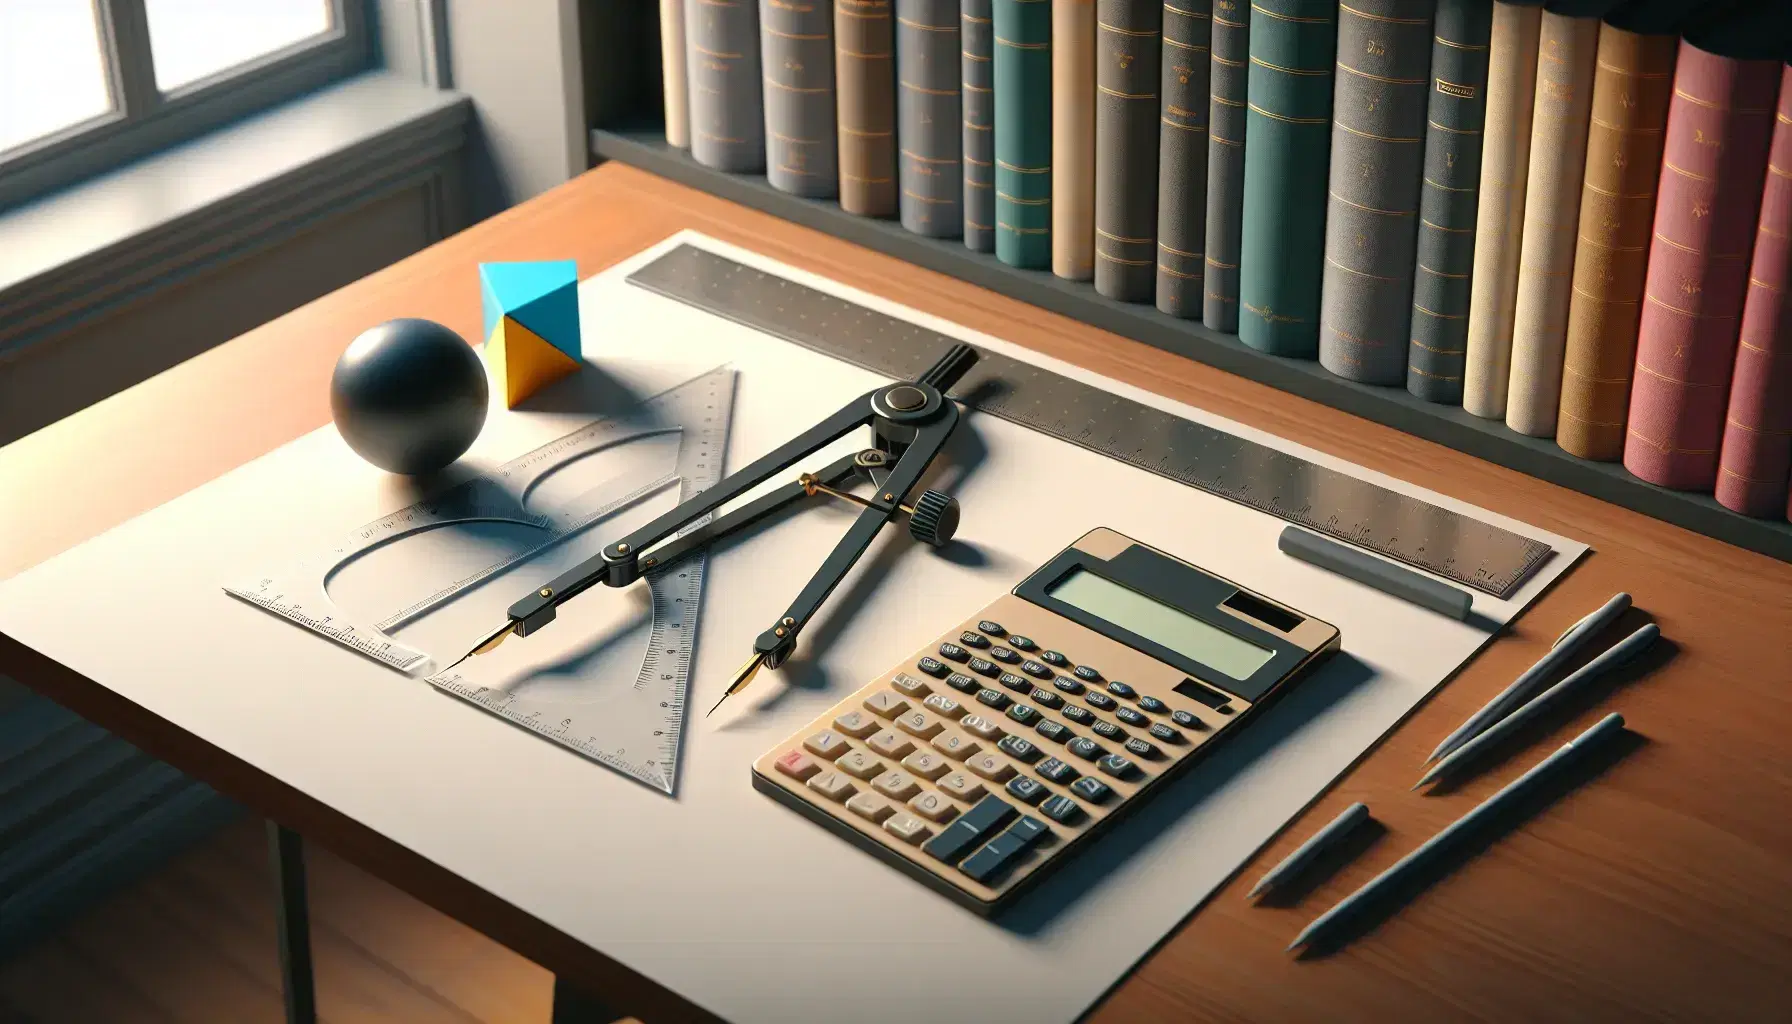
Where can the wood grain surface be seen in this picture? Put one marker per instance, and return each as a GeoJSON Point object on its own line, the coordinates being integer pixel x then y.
{"type": "Point", "coordinates": [1658, 888]}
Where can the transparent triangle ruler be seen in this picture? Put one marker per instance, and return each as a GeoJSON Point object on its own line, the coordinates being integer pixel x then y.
{"type": "Point", "coordinates": [638, 733]}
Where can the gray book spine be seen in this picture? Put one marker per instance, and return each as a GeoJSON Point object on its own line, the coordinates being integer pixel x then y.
{"type": "Point", "coordinates": [929, 125]}
{"type": "Point", "coordinates": [1228, 77]}
{"type": "Point", "coordinates": [1182, 159]}
{"type": "Point", "coordinates": [977, 44]}
{"type": "Point", "coordinates": [727, 112]}
{"type": "Point", "coordinates": [1128, 54]}
{"type": "Point", "coordinates": [1448, 200]}
{"type": "Point", "coordinates": [1378, 155]}
{"type": "Point", "coordinates": [797, 43]}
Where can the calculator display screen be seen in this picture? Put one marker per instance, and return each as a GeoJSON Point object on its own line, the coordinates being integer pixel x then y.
{"type": "Point", "coordinates": [1161, 624]}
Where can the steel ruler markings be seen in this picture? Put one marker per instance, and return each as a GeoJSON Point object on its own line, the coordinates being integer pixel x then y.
{"type": "Point", "coordinates": [1411, 530]}
{"type": "Point", "coordinates": [635, 731]}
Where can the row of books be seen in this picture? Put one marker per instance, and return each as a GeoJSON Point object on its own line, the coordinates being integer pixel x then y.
{"type": "Point", "coordinates": [1551, 220]}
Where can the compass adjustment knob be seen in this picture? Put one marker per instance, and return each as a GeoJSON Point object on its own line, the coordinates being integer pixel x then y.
{"type": "Point", "coordinates": [935, 518]}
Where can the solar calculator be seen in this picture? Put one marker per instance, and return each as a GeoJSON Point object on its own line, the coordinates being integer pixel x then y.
{"type": "Point", "coordinates": [990, 756]}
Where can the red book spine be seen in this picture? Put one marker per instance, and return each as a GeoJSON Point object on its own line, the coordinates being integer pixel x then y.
{"type": "Point", "coordinates": [1757, 453]}
{"type": "Point", "coordinates": [1720, 123]}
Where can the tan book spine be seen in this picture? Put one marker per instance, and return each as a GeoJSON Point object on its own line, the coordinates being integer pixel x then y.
{"type": "Point", "coordinates": [1499, 216]}
{"type": "Point", "coordinates": [1073, 139]}
{"type": "Point", "coordinates": [865, 80]}
{"type": "Point", "coordinates": [1567, 51]}
{"type": "Point", "coordinates": [1632, 88]}
{"type": "Point", "coordinates": [674, 74]}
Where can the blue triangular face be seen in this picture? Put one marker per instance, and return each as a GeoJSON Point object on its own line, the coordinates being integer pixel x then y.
{"type": "Point", "coordinates": [507, 288]}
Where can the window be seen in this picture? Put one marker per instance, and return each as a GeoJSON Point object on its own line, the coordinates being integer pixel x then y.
{"type": "Point", "coordinates": [86, 85]}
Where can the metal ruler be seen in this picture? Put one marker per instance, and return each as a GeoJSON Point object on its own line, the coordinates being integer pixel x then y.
{"type": "Point", "coordinates": [1489, 559]}
{"type": "Point", "coordinates": [637, 732]}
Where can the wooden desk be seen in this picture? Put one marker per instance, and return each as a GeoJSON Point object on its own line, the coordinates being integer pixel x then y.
{"type": "Point", "coordinates": [1661, 890]}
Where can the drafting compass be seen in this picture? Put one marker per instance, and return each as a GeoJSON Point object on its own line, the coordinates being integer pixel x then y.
{"type": "Point", "coordinates": [910, 423]}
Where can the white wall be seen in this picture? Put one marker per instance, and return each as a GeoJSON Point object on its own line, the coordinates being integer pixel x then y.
{"type": "Point", "coordinates": [519, 61]}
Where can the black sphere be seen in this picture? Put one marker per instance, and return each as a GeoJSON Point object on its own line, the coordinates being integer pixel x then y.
{"type": "Point", "coordinates": [409, 396]}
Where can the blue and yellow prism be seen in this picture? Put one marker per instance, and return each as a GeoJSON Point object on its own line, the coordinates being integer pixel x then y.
{"type": "Point", "coordinates": [531, 324]}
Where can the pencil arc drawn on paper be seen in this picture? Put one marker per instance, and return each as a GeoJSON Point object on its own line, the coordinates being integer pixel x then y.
{"type": "Point", "coordinates": [680, 437]}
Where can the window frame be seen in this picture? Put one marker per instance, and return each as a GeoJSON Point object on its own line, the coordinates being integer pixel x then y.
{"type": "Point", "coordinates": [145, 120]}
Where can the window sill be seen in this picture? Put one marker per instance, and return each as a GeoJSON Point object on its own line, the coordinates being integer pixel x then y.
{"type": "Point", "coordinates": [63, 254]}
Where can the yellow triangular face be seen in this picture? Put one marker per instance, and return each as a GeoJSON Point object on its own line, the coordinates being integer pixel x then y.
{"type": "Point", "coordinates": [523, 362]}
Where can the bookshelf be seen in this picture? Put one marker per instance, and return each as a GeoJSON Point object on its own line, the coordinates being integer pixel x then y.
{"type": "Point", "coordinates": [623, 103]}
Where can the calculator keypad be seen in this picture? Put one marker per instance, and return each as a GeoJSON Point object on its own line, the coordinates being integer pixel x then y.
{"type": "Point", "coordinates": [986, 754]}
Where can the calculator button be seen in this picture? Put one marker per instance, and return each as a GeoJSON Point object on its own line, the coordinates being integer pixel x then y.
{"type": "Point", "coordinates": [992, 628]}
{"type": "Point", "coordinates": [1087, 674]}
{"type": "Point", "coordinates": [927, 764]}
{"type": "Point", "coordinates": [885, 704]}
{"type": "Point", "coordinates": [1035, 669]}
{"type": "Point", "coordinates": [1153, 705]}
{"type": "Point", "coordinates": [1061, 809]}
{"type": "Point", "coordinates": [1085, 748]}
{"type": "Point", "coordinates": [910, 686]}
{"type": "Point", "coordinates": [1097, 699]}
{"type": "Point", "coordinates": [1057, 732]}
{"type": "Point", "coordinates": [1053, 770]}
{"type": "Point", "coordinates": [1225, 709]}
{"type": "Point", "coordinates": [797, 765]}
{"type": "Point", "coordinates": [1108, 730]}
{"type": "Point", "coordinates": [962, 786]}
{"type": "Point", "coordinates": [983, 668]}
{"type": "Point", "coordinates": [859, 764]}
{"type": "Point", "coordinates": [1023, 714]}
{"type": "Point", "coordinates": [933, 806]}
{"type": "Point", "coordinates": [943, 706]}
{"type": "Point", "coordinates": [1001, 852]}
{"type": "Point", "coordinates": [1131, 717]}
{"type": "Point", "coordinates": [870, 807]}
{"type": "Point", "coordinates": [991, 767]}
{"type": "Point", "coordinates": [907, 827]}
{"type": "Point", "coordinates": [1081, 716]}
{"type": "Point", "coordinates": [953, 652]}
{"type": "Point", "coordinates": [1121, 690]}
{"type": "Point", "coordinates": [916, 723]}
{"type": "Point", "coordinates": [1160, 731]}
{"type": "Point", "coordinates": [1091, 789]}
{"type": "Point", "coordinates": [827, 745]}
{"type": "Point", "coordinates": [893, 744]}
{"type": "Point", "coordinates": [974, 828]}
{"type": "Point", "coordinates": [1046, 698]}
{"type": "Point", "coordinates": [1054, 659]}
{"type": "Point", "coordinates": [993, 698]}
{"type": "Point", "coordinates": [1019, 684]}
{"type": "Point", "coordinates": [833, 785]}
{"type": "Point", "coordinates": [1027, 791]}
{"type": "Point", "coordinates": [1004, 655]}
{"type": "Point", "coordinates": [1019, 749]}
{"type": "Point", "coordinates": [857, 724]}
{"type": "Point", "coordinates": [1188, 721]}
{"type": "Point", "coordinates": [970, 639]}
{"type": "Point", "coordinates": [983, 728]}
{"type": "Point", "coordinates": [1142, 749]}
{"type": "Point", "coordinates": [963, 683]}
{"type": "Point", "coordinates": [1021, 643]}
{"type": "Point", "coordinates": [933, 667]}
{"type": "Point", "coordinates": [1068, 685]}
{"type": "Point", "coordinates": [956, 745]}
{"type": "Point", "coordinates": [897, 785]}
{"type": "Point", "coordinates": [1117, 766]}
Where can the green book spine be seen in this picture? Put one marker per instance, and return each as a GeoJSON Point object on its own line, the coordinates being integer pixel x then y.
{"type": "Point", "coordinates": [979, 99]}
{"type": "Point", "coordinates": [1227, 75]}
{"type": "Point", "coordinates": [1128, 54]}
{"type": "Point", "coordinates": [1287, 157]}
{"type": "Point", "coordinates": [1378, 152]}
{"type": "Point", "coordinates": [1182, 159]}
{"type": "Point", "coordinates": [1023, 84]}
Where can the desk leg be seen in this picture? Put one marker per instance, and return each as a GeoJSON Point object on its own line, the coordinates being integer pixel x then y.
{"type": "Point", "coordinates": [572, 1006]}
{"type": "Point", "coordinates": [292, 920]}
